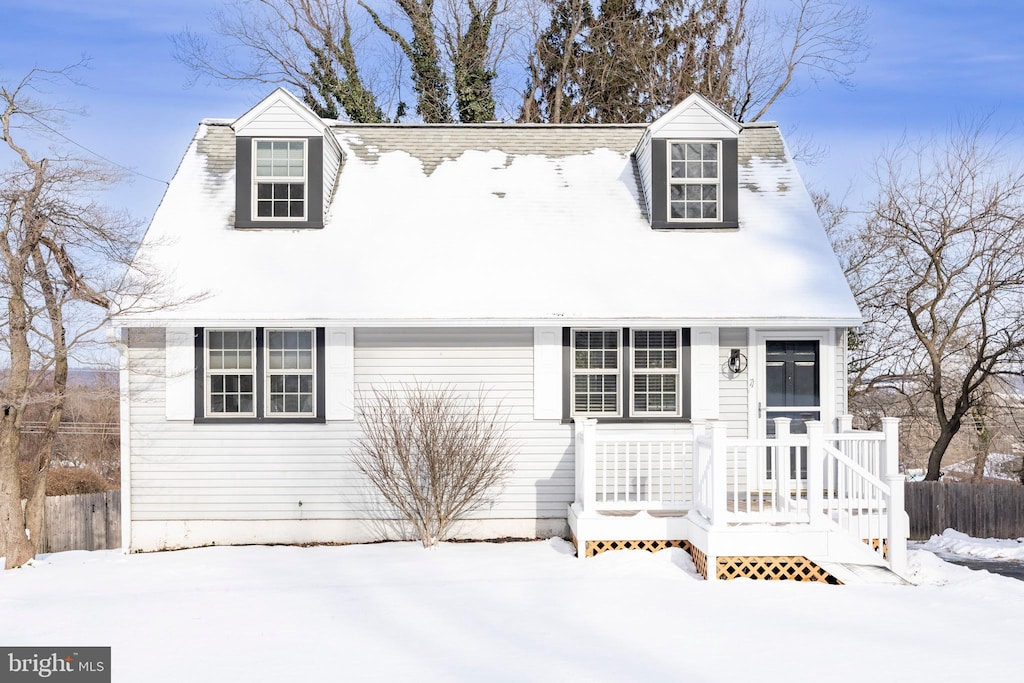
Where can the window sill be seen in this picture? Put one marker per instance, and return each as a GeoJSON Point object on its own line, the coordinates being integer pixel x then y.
{"type": "Point", "coordinates": [630, 420]}
{"type": "Point", "coordinates": [278, 225]}
{"type": "Point", "coordinates": [725, 226]}
{"type": "Point", "coordinates": [259, 420]}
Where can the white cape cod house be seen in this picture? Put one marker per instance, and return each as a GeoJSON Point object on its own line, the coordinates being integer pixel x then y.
{"type": "Point", "coordinates": [656, 308]}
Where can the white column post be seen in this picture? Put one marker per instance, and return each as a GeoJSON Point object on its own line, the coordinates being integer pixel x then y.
{"type": "Point", "coordinates": [845, 423]}
{"type": "Point", "coordinates": [889, 458]}
{"type": "Point", "coordinates": [586, 496]}
{"type": "Point", "coordinates": [586, 464]}
{"type": "Point", "coordinates": [780, 466]}
{"type": "Point", "coordinates": [896, 514]}
{"type": "Point", "coordinates": [699, 430]}
{"type": "Point", "coordinates": [719, 488]}
{"type": "Point", "coordinates": [711, 567]}
{"type": "Point", "coordinates": [815, 472]}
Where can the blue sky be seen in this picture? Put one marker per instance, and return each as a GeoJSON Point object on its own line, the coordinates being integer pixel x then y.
{"type": "Point", "coordinates": [930, 62]}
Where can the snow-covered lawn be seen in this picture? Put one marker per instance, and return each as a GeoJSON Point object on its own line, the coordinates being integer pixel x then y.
{"type": "Point", "coordinates": [503, 612]}
{"type": "Point", "coordinates": [956, 543]}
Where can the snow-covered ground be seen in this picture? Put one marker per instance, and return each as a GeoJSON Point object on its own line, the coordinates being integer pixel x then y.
{"type": "Point", "coordinates": [956, 543]}
{"type": "Point", "coordinates": [503, 612]}
{"type": "Point", "coordinates": [997, 466]}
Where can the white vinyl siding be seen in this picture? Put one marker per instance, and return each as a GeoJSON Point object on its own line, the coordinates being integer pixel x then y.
{"type": "Point", "coordinates": [733, 392]}
{"type": "Point", "coordinates": [692, 123]}
{"type": "Point", "coordinates": [643, 165]}
{"type": "Point", "coordinates": [266, 471]}
{"type": "Point", "coordinates": [332, 162]}
{"type": "Point", "coordinates": [842, 374]}
{"type": "Point", "coordinates": [279, 120]}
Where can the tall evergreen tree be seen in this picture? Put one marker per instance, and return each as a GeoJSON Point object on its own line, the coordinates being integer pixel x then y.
{"type": "Point", "coordinates": [635, 59]}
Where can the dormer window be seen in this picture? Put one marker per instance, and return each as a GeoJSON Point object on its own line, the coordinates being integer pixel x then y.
{"type": "Point", "coordinates": [279, 176]}
{"type": "Point", "coordinates": [695, 181]}
{"type": "Point", "coordinates": [279, 182]}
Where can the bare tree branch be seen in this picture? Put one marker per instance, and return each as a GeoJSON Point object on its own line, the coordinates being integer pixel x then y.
{"type": "Point", "coordinates": [434, 456]}
{"type": "Point", "coordinates": [937, 271]}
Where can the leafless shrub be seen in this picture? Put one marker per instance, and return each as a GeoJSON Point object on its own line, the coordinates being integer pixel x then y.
{"type": "Point", "coordinates": [68, 481]}
{"type": "Point", "coordinates": [434, 455]}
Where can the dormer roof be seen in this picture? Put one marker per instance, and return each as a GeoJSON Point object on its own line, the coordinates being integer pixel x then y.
{"type": "Point", "coordinates": [695, 116]}
{"type": "Point", "coordinates": [279, 113]}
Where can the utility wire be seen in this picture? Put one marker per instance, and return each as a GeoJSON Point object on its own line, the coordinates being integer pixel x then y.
{"type": "Point", "coordinates": [100, 156]}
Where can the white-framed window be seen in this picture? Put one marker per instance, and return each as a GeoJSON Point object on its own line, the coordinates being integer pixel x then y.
{"type": "Point", "coordinates": [596, 372]}
{"type": "Point", "coordinates": [230, 384]}
{"type": "Point", "coordinates": [259, 374]}
{"type": "Point", "coordinates": [695, 180]}
{"type": "Point", "coordinates": [626, 373]}
{"type": "Point", "coordinates": [279, 172]}
{"type": "Point", "coordinates": [290, 372]}
{"type": "Point", "coordinates": [656, 370]}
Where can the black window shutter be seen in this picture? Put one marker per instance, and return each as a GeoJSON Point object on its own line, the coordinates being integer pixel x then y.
{"type": "Point", "coordinates": [659, 184]}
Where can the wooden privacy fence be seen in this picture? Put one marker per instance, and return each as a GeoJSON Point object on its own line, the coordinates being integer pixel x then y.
{"type": "Point", "coordinates": [979, 510]}
{"type": "Point", "coordinates": [89, 521]}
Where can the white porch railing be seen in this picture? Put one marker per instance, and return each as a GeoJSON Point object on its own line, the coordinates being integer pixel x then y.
{"type": "Point", "coordinates": [847, 480]}
{"type": "Point", "coordinates": [624, 471]}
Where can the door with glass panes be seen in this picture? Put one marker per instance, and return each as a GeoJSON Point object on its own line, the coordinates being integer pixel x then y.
{"type": "Point", "coordinates": [790, 387]}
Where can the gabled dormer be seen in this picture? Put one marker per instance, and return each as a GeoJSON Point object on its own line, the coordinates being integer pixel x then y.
{"type": "Point", "coordinates": [286, 162]}
{"type": "Point", "coordinates": [687, 161]}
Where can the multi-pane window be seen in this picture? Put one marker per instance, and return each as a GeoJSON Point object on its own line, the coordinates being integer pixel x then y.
{"type": "Point", "coordinates": [629, 373]}
{"type": "Point", "coordinates": [290, 372]}
{"type": "Point", "coordinates": [596, 372]}
{"type": "Point", "coordinates": [694, 181]}
{"type": "Point", "coordinates": [262, 373]}
{"type": "Point", "coordinates": [279, 174]}
{"type": "Point", "coordinates": [230, 371]}
{"type": "Point", "coordinates": [656, 372]}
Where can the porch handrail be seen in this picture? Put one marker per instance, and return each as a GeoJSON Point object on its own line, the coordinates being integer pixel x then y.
{"type": "Point", "coordinates": [848, 462]}
{"type": "Point", "coordinates": [856, 500]}
{"type": "Point", "coordinates": [630, 470]}
{"type": "Point", "coordinates": [849, 479]}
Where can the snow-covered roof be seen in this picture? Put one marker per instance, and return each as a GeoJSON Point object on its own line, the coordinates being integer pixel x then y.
{"type": "Point", "coordinates": [494, 224]}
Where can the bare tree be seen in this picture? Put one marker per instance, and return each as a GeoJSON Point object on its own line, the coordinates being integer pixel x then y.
{"type": "Point", "coordinates": [938, 273]}
{"type": "Point", "coordinates": [60, 251]}
{"type": "Point", "coordinates": [305, 44]}
{"type": "Point", "coordinates": [308, 45]}
{"type": "Point", "coordinates": [816, 39]}
{"type": "Point", "coordinates": [429, 80]}
{"type": "Point", "coordinates": [433, 455]}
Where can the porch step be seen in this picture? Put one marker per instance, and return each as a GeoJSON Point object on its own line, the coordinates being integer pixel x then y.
{"type": "Point", "coordinates": [861, 574]}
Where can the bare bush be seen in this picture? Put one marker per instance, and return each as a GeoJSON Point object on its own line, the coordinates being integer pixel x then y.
{"type": "Point", "coordinates": [68, 481]}
{"type": "Point", "coordinates": [434, 455]}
